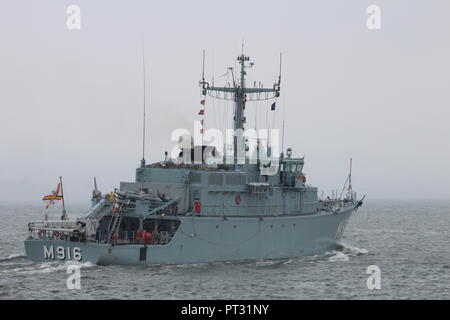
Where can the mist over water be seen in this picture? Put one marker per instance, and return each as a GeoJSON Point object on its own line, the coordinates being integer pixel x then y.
{"type": "Point", "coordinates": [71, 100]}
{"type": "Point", "coordinates": [408, 240]}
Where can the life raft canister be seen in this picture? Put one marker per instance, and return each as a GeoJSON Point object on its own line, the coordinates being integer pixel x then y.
{"type": "Point", "coordinates": [238, 199]}
{"type": "Point", "coordinates": [148, 238]}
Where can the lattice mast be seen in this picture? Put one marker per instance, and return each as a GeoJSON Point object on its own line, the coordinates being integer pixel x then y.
{"type": "Point", "coordinates": [240, 94]}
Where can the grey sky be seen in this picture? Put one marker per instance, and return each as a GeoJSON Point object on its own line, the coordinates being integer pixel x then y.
{"type": "Point", "coordinates": [71, 101]}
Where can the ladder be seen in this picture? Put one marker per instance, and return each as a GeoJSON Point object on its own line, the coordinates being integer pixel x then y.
{"type": "Point", "coordinates": [114, 226]}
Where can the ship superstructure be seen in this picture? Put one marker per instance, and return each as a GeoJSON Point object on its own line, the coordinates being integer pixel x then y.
{"type": "Point", "coordinates": [251, 205]}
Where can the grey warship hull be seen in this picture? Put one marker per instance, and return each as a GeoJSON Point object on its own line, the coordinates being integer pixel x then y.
{"type": "Point", "coordinates": [210, 239]}
{"type": "Point", "coordinates": [204, 205]}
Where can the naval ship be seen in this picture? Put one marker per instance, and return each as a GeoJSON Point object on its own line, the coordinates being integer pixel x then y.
{"type": "Point", "coordinates": [192, 209]}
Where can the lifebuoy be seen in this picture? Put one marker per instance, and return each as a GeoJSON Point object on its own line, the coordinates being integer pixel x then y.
{"type": "Point", "coordinates": [139, 235]}
{"type": "Point", "coordinates": [238, 199]}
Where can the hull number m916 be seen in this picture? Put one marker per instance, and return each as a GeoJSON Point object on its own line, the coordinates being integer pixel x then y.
{"type": "Point", "coordinates": [62, 253]}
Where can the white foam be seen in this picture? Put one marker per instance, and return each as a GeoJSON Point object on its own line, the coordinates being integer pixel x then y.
{"type": "Point", "coordinates": [339, 256]}
{"type": "Point", "coordinates": [289, 261]}
{"type": "Point", "coordinates": [266, 262]}
{"type": "Point", "coordinates": [355, 250]}
{"type": "Point", "coordinates": [48, 267]}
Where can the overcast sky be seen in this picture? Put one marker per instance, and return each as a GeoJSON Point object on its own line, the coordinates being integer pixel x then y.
{"type": "Point", "coordinates": [71, 100]}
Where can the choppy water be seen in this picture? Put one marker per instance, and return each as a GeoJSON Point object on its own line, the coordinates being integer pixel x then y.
{"type": "Point", "coordinates": [408, 240]}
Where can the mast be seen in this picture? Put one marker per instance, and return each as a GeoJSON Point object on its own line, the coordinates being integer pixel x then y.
{"type": "Point", "coordinates": [349, 181]}
{"type": "Point", "coordinates": [350, 190]}
{"type": "Point", "coordinates": [240, 94]}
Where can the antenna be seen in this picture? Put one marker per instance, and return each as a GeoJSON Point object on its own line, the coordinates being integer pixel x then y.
{"type": "Point", "coordinates": [349, 181]}
{"type": "Point", "coordinates": [279, 77]}
{"type": "Point", "coordinates": [203, 67]}
{"type": "Point", "coordinates": [232, 76]}
{"type": "Point", "coordinates": [143, 120]}
{"type": "Point", "coordinates": [350, 177]}
{"type": "Point", "coordinates": [282, 134]}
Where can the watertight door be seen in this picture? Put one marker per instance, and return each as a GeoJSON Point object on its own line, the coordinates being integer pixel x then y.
{"type": "Point", "coordinates": [143, 254]}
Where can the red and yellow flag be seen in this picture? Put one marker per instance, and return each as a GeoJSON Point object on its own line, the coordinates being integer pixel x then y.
{"type": "Point", "coordinates": [51, 198]}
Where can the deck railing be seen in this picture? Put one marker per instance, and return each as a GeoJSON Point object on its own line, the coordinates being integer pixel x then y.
{"type": "Point", "coordinates": [121, 238]}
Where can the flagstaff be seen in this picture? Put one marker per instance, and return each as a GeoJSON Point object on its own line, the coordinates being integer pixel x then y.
{"type": "Point", "coordinates": [64, 214]}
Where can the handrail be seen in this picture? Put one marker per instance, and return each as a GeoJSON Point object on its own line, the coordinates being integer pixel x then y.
{"type": "Point", "coordinates": [96, 208]}
{"type": "Point", "coordinates": [162, 207]}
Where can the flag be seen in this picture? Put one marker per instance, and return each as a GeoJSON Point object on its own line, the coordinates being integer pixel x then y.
{"type": "Point", "coordinates": [272, 108]}
{"type": "Point", "coordinates": [51, 198]}
{"type": "Point", "coordinates": [203, 102]}
{"type": "Point", "coordinates": [202, 112]}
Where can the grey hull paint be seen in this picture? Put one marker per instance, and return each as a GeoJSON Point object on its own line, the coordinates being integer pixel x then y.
{"type": "Point", "coordinates": [36, 251]}
{"type": "Point", "coordinates": [210, 239]}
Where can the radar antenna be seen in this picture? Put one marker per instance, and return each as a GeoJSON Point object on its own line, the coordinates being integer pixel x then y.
{"type": "Point", "coordinates": [240, 94]}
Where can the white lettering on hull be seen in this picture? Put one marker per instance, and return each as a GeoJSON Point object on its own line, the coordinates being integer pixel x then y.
{"type": "Point", "coordinates": [62, 253]}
